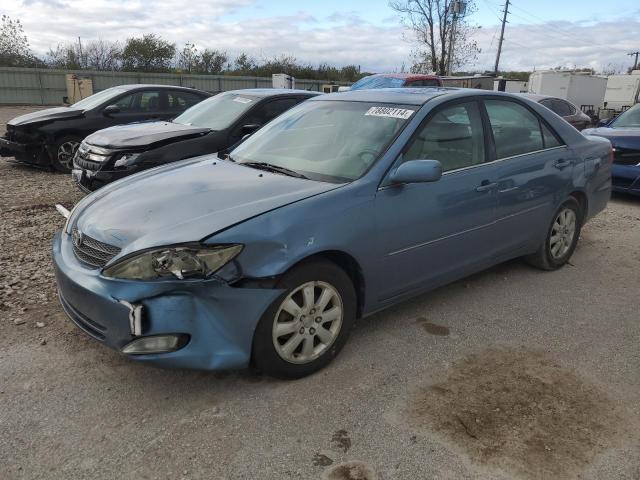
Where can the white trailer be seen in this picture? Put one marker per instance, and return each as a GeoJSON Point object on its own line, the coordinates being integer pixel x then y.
{"type": "Point", "coordinates": [623, 91]}
{"type": "Point", "coordinates": [578, 88]}
{"type": "Point", "coordinates": [282, 80]}
{"type": "Point", "coordinates": [510, 86]}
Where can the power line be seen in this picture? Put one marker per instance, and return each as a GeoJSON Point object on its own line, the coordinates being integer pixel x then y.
{"type": "Point", "coordinates": [635, 63]}
{"type": "Point", "coordinates": [504, 21]}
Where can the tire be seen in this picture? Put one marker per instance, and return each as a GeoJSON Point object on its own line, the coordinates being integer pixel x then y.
{"type": "Point", "coordinates": [554, 253]}
{"type": "Point", "coordinates": [63, 151]}
{"type": "Point", "coordinates": [290, 345]}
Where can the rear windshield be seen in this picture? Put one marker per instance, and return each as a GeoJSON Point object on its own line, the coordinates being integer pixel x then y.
{"type": "Point", "coordinates": [377, 82]}
{"type": "Point", "coordinates": [335, 141]}
{"type": "Point", "coordinates": [219, 112]}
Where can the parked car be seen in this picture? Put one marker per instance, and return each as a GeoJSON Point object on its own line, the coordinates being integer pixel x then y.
{"type": "Point", "coordinates": [395, 80]}
{"type": "Point", "coordinates": [563, 108]}
{"type": "Point", "coordinates": [208, 127]}
{"type": "Point", "coordinates": [624, 134]}
{"type": "Point", "coordinates": [345, 205]}
{"type": "Point", "coordinates": [50, 137]}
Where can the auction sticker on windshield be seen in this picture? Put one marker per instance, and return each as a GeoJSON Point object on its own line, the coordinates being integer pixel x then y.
{"type": "Point", "coordinates": [242, 100]}
{"type": "Point", "coordinates": [401, 113]}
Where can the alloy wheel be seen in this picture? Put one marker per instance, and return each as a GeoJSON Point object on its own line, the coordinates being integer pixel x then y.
{"type": "Point", "coordinates": [307, 322]}
{"type": "Point", "coordinates": [66, 152]}
{"type": "Point", "coordinates": [563, 232]}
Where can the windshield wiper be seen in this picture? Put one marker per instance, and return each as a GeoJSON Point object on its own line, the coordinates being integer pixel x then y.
{"type": "Point", "coordinates": [274, 168]}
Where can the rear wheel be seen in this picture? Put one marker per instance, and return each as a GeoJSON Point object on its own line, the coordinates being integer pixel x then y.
{"type": "Point", "coordinates": [63, 152]}
{"type": "Point", "coordinates": [561, 239]}
{"type": "Point", "coordinates": [306, 327]}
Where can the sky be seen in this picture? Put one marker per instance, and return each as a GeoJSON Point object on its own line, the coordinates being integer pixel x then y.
{"type": "Point", "coordinates": [540, 33]}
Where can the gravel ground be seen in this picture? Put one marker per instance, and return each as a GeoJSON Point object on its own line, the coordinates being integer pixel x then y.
{"type": "Point", "coordinates": [510, 374]}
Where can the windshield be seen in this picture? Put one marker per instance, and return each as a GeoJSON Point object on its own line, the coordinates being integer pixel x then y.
{"type": "Point", "coordinates": [335, 141]}
{"type": "Point", "coordinates": [99, 98]}
{"type": "Point", "coordinates": [377, 82]}
{"type": "Point", "coordinates": [219, 112]}
{"type": "Point", "coordinates": [630, 118]}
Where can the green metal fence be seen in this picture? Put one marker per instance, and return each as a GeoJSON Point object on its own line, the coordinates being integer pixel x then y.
{"type": "Point", "coordinates": [36, 86]}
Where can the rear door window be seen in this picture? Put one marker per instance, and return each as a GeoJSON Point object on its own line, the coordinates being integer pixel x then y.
{"type": "Point", "coordinates": [145, 101]}
{"type": "Point", "coordinates": [516, 130]}
{"type": "Point", "coordinates": [454, 136]}
{"type": "Point", "coordinates": [179, 101]}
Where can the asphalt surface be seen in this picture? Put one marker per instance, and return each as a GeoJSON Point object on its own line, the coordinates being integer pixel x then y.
{"type": "Point", "coordinates": [512, 373]}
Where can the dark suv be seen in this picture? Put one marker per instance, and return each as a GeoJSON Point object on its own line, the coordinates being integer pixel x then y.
{"type": "Point", "coordinates": [50, 137]}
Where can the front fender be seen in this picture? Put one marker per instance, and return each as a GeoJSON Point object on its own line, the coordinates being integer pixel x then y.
{"type": "Point", "coordinates": [338, 221]}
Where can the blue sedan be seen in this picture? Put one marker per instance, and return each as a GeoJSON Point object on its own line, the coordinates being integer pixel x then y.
{"type": "Point", "coordinates": [624, 133]}
{"type": "Point", "coordinates": [345, 205]}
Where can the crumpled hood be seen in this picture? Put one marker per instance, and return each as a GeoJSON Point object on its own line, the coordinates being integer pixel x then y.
{"type": "Point", "coordinates": [186, 202]}
{"type": "Point", "coordinates": [46, 115]}
{"type": "Point", "coordinates": [619, 137]}
{"type": "Point", "coordinates": [138, 135]}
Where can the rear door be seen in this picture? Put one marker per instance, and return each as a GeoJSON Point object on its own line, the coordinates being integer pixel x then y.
{"type": "Point", "coordinates": [431, 233]}
{"type": "Point", "coordinates": [534, 171]}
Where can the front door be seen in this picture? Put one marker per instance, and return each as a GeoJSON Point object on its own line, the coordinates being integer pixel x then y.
{"type": "Point", "coordinates": [432, 233]}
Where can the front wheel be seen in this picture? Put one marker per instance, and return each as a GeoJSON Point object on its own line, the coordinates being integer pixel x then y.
{"type": "Point", "coordinates": [306, 327]}
{"type": "Point", "coordinates": [63, 152]}
{"type": "Point", "coordinates": [561, 239]}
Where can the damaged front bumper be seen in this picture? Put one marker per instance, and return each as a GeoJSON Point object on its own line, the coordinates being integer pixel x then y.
{"type": "Point", "coordinates": [212, 321]}
{"type": "Point", "coordinates": [26, 152]}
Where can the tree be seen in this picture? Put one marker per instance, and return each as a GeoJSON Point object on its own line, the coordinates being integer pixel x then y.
{"type": "Point", "coordinates": [213, 61]}
{"type": "Point", "coordinates": [188, 58]}
{"type": "Point", "coordinates": [14, 45]}
{"type": "Point", "coordinates": [102, 55]}
{"type": "Point", "coordinates": [94, 55]}
{"type": "Point", "coordinates": [147, 54]}
{"type": "Point", "coordinates": [244, 64]}
{"type": "Point", "coordinates": [430, 23]}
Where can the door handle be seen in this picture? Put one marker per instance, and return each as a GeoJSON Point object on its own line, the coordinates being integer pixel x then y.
{"type": "Point", "coordinates": [486, 186]}
{"type": "Point", "coordinates": [562, 163]}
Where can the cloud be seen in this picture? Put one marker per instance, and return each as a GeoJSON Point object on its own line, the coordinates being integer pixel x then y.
{"type": "Point", "coordinates": [338, 38]}
{"type": "Point", "coordinates": [560, 43]}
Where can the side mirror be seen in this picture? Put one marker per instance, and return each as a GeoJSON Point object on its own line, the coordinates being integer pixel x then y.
{"type": "Point", "coordinates": [111, 109]}
{"type": "Point", "coordinates": [248, 129]}
{"type": "Point", "coordinates": [417, 171]}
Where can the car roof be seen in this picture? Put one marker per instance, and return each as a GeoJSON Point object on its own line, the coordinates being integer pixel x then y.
{"type": "Point", "coordinates": [537, 97]}
{"type": "Point", "coordinates": [400, 96]}
{"type": "Point", "coordinates": [133, 86]}
{"type": "Point", "coordinates": [405, 76]}
{"type": "Point", "coordinates": [272, 92]}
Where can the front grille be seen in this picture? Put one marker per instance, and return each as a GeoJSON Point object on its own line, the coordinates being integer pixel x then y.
{"type": "Point", "coordinates": [91, 157]}
{"type": "Point", "coordinates": [91, 327]}
{"type": "Point", "coordinates": [91, 251]}
{"type": "Point", "coordinates": [624, 156]}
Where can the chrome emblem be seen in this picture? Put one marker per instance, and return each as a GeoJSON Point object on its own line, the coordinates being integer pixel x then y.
{"type": "Point", "coordinates": [76, 238]}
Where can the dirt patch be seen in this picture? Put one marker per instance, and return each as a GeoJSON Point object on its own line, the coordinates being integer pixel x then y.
{"type": "Point", "coordinates": [321, 460]}
{"type": "Point", "coordinates": [518, 411]}
{"type": "Point", "coordinates": [350, 471]}
{"type": "Point", "coordinates": [432, 328]}
{"type": "Point", "coordinates": [341, 440]}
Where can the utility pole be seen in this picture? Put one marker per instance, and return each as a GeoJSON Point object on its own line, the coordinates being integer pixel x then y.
{"type": "Point", "coordinates": [504, 21]}
{"type": "Point", "coordinates": [80, 48]}
{"type": "Point", "coordinates": [457, 9]}
{"type": "Point", "coordinates": [635, 63]}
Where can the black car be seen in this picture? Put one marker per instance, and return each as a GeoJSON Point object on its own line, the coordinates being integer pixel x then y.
{"type": "Point", "coordinates": [50, 137]}
{"type": "Point", "coordinates": [212, 126]}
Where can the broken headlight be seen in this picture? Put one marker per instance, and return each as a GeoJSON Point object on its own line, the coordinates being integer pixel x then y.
{"type": "Point", "coordinates": [126, 160]}
{"type": "Point", "coordinates": [175, 262]}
